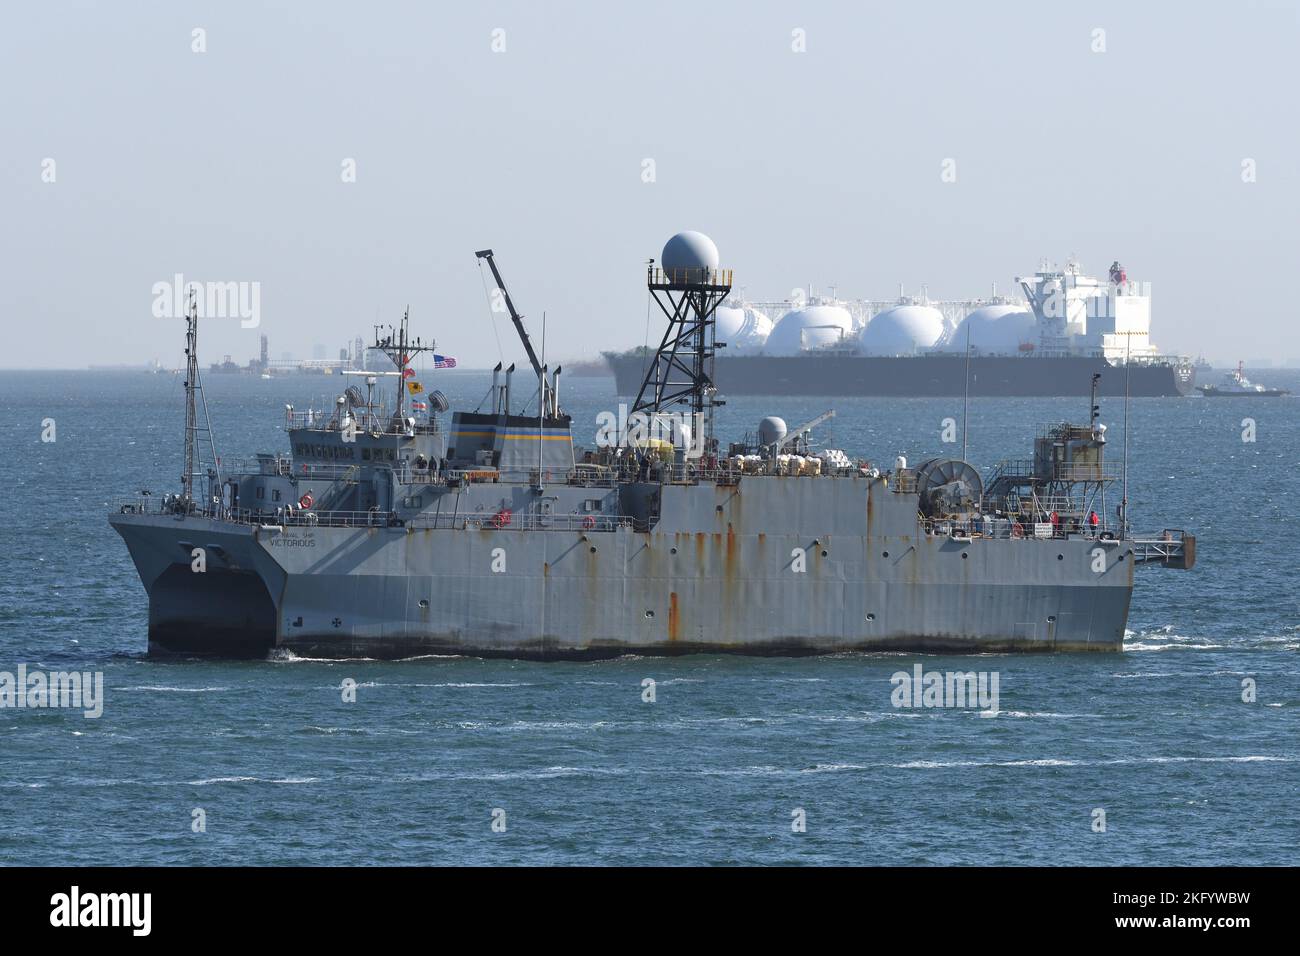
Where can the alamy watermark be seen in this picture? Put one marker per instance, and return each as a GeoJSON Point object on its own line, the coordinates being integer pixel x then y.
{"type": "Point", "coordinates": [684, 431]}
{"type": "Point", "coordinates": [212, 300]}
{"type": "Point", "coordinates": [75, 908]}
{"type": "Point", "coordinates": [956, 689]}
{"type": "Point", "coordinates": [1058, 303]}
{"type": "Point", "coordinates": [38, 690]}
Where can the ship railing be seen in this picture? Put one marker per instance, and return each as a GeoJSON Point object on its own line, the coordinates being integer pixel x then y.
{"type": "Point", "coordinates": [728, 473]}
{"type": "Point", "coordinates": [262, 465]}
{"type": "Point", "coordinates": [314, 471]}
{"type": "Point", "coordinates": [286, 467]}
{"type": "Point", "coordinates": [531, 476]}
{"type": "Point", "coordinates": [591, 475]}
{"type": "Point", "coordinates": [1152, 359]}
{"type": "Point", "coordinates": [176, 506]}
{"type": "Point", "coordinates": [500, 520]}
{"type": "Point", "coordinates": [1170, 548]}
{"type": "Point", "coordinates": [376, 424]}
{"type": "Point", "coordinates": [151, 504]}
{"type": "Point", "coordinates": [1024, 471]}
{"type": "Point", "coordinates": [414, 477]}
{"type": "Point", "coordinates": [999, 526]}
{"type": "Point", "coordinates": [694, 472]}
{"type": "Point", "coordinates": [1052, 504]}
{"type": "Point", "coordinates": [725, 472]}
{"type": "Point", "coordinates": [1064, 431]}
{"type": "Point", "coordinates": [684, 473]}
{"type": "Point", "coordinates": [659, 277]}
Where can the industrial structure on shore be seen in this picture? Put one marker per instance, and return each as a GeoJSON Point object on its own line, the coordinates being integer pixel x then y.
{"type": "Point", "coordinates": [349, 356]}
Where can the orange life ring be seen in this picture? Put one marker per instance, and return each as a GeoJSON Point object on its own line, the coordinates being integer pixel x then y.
{"type": "Point", "coordinates": [501, 518]}
{"type": "Point", "coordinates": [306, 501]}
{"type": "Point", "coordinates": [589, 522]}
{"type": "Point", "coordinates": [1017, 530]}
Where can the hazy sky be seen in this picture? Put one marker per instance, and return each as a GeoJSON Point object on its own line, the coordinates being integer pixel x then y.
{"type": "Point", "coordinates": [820, 167]}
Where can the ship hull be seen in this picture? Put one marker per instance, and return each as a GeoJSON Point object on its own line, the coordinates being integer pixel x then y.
{"type": "Point", "coordinates": [830, 573]}
{"type": "Point", "coordinates": [924, 376]}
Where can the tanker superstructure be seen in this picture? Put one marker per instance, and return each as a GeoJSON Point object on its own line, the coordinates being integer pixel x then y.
{"type": "Point", "coordinates": [1068, 327]}
{"type": "Point", "coordinates": [381, 534]}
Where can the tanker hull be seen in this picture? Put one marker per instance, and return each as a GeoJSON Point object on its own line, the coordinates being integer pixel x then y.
{"type": "Point", "coordinates": [939, 376]}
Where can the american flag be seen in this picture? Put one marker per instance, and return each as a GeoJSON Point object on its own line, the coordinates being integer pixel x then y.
{"type": "Point", "coordinates": [443, 361]}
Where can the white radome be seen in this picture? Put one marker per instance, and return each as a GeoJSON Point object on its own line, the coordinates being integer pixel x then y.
{"type": "Point", "coordinates": [771, 430]}
{"type": "Point", "coordinates": [743, 329]}
{"type": "Point", "coordinates": [809, 328]}
{"type": "Point", "coordinates": [902, 330]}
{"type": "Point", "coordinates": [687, 256]}
{"type": "Point", "coordinates": [994, 330]}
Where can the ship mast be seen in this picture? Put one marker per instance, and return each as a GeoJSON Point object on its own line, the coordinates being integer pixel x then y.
{"type": "Point", "coordinates": [682, 369]}
{"type": "Point", "coordinates": [191, 385]}
{"type": "Point", "coordinates": [194, 394]}
{"type": "Point", "coordinates": [400, 349]}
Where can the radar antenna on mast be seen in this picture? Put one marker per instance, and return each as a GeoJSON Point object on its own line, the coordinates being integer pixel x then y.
{"type": "Point", "coordinates": [688, 287]}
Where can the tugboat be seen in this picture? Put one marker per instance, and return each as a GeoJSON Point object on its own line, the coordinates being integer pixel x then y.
{"type": "Point", "coordinates": [1236, 385]}
{"type": "Point", "coordinates": [381, 534]}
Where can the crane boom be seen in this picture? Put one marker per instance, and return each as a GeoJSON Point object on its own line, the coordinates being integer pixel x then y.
{"type": "Point", "coordinates": [515, 317]}
{"type": "Point", "coordinates": [795, 433]}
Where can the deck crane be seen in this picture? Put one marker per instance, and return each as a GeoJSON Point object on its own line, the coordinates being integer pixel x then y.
{"type": "Point", "coordinates": [549, 398]}
{"type": "Point", "coordinates": [800, 434]}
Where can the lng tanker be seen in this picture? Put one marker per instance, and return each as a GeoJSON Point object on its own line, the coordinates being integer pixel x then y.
{"type": "Point", "coordinates": [1069, 327]}
{"type": "Point", "coordinates": [382, 532]}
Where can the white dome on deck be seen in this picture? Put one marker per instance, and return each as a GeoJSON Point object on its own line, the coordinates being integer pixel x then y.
{"type": "Point", "coordinates": [687, 256]}
{"type": "Point", "coordinates": [742, 328]}
{"type": "Point", "coordinates": [994, 329]}
{"type": "Point", "coordinates": [811, 327]}
{"type": "Point", "coordinates": [902, 330]}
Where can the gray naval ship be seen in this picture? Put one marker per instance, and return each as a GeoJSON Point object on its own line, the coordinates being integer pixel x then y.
{"type": "Point", "coordinates": [382, 533]}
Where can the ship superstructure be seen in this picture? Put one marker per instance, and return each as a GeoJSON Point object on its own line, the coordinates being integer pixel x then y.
{"type": "Point", "coordinates": [1078, 314]}
{"type": "Point", "coordinates": [380, 533]}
